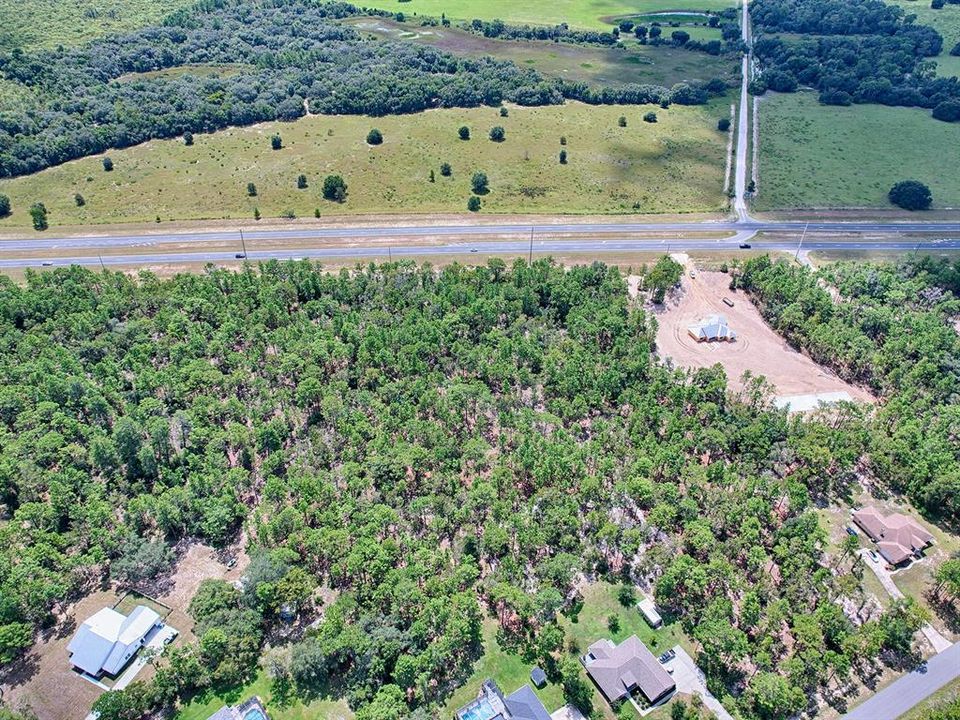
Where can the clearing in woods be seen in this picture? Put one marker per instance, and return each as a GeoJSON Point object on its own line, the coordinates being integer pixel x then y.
{"type": "Point", "coordinates": [820, 156]}
{"type": "Point", "coordinates": [606, 67]}
{"type": "Point", "coordinates": [757, 349]}
{"type": "Point", "coordinates": [596, 14]}
{"type": "Point", "coordinates": [673, 165]}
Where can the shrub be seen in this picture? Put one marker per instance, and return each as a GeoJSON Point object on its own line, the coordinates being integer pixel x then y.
{"type": "Point", "coordinates": [38, 212]}
{"type": "Point", "coordinates": [433, 178]}
{"type": "Point", "coordinates": [316, 213]}
{"type": "Point", "coordinates": [723, 124]}
{"type": "Point", "coordinates": [498, 134]}
{"type": "Point", "coordinates": [626, 595]}
{"type": "Point", "coordinates": [650, 117]}
{"type": "Point", "coordinates": [446, 170]}
{"type": "Point", "coordinates": [613, 623]}
{"type": "Point", "coordinates": [937, 4]}
{"type": "Point", "coordinates": [464, 133]}
{"type": "Point", "coordinates": [256, 213]}
{"type": "Point", "coordinates": [479, 183]}
{"type": "Point", "coordinates": [334, 188]}
{"type": "Point", "coordinates": [4, 205]}
{"type": "Point", "coordinates": [251, 190]}
{"type": "Point", "coordinates": [956, 50]}
{"type": "Point", "coordinates": [948, 111]}
{"type": "Point", "coordinates": [78, 199]}
{"type": "Point", "coordinates": [910, 195]}
{"type": "Point", "coordinates": [622, 121]}
{"type": "Point", "coordinates": [563, 157]}
{"type": "Point", "coordinates": [473, 204]}
{"type": "Point", "coordinates": [301, 182]}
{"type": "Point", "coordinates": [276, 142]}
{"type": "Point", "coordinates": [374, 137]}
{"type": "Point", "coordinates": [563, 139]}
{"type": "Point", "coordinates": [188, 138]}
{"type": "Point", "coordinates": [504, 112]}
{"type": "Point", "coordinates": [107, 164]}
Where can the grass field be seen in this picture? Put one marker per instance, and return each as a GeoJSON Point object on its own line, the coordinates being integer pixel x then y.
{"type": "Point", "coordinates": [279, 709]}
{"type": "Point", "coordinates": [610, 67]}
{"type": "Point", "coordinates": [49, 23]}
{"type": "Point", "coordinates": [945, 21]}
{"type": "Point", "coordinates": [813, 155]}
{"type": "Point", "coordinates": [576, 13]}
{"type": "Point", "coordinates": [674, 165]}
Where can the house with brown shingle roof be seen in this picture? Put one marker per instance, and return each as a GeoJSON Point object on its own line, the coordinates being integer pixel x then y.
{"type": "Point", "coordinates": [620, 670]}
{"type": "Point", "coordinates": [898, 537]}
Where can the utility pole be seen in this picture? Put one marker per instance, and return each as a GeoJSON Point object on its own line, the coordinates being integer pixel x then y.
{"type": "Point", "coordinates": [243, 244]}
{"type": "Point", "coordinates": [530, 256]}
{"type": "Point", "coordinates": [802, 236]}
{"type": "Point", "coordinates": [100, 258]}
{"type": "Point", "coordinates": [390, 253]}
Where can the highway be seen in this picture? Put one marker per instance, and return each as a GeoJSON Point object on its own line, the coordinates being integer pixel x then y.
{"type": "Point", "coordinates": [593, 247]}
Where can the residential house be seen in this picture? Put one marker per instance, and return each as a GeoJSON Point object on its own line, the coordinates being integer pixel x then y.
{"type": "Point", "coordinates": [621, 670]}
{"type": "Point", "coordinates": [712, 329]}
{"type": "Point", "coordinates": [898, 537]}
{"type": "Point", "coordinates": [492, 704]}
{"type": "Point", "coordinates": [108, 640]}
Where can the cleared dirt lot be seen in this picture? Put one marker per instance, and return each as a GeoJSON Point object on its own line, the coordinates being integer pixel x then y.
{"type": "Point", "coordinates": [757, 347]}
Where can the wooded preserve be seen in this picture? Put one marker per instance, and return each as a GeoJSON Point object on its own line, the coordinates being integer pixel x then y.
{"type": "Point", "coordinates": [418, 440]}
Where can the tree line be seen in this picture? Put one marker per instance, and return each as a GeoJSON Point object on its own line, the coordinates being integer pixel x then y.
{"type": "Point", "coordinates": [852, 52]}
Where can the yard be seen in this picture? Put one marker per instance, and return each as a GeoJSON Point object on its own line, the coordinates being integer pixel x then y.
{"type": "Point", "coordinates": [818, 156]}
{"type": "Point", "coordinates": [597, 14]}
{"type": "Point", "coordinates": [673, 165]}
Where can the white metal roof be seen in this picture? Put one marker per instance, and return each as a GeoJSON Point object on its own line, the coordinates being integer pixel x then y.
{"type": "Point", "coordinates": [103, 642]}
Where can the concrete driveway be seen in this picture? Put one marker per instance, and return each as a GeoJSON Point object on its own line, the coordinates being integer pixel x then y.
{"type": "Point", "coordinates": [156, 639]}
{"type": "Point", "coordinates": [690, 679]}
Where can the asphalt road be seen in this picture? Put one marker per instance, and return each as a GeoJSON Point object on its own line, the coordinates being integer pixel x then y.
{"type": "Point", "coordinates": [593, 247]}
{"type": "Point", "coordinates": [894, 700]}
{"type": "Point", "coordinates": [743, 124]}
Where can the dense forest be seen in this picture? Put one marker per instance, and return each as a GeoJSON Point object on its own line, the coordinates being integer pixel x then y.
{"type": "Point", "coordinates": [415, 441]}
{"type": "Point", "coordinates": [890, 329]}
{"type": "Point", "coordinates": [276, 60]}
{"type": "Point", "coordinates": [863, 51]}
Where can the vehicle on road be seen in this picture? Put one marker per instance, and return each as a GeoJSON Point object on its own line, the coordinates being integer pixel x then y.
{"type": "Point", "coordinates": [473, 250]}
{"type": "Point", "coordinates": [874, 556]}
{"type": "Point", "coordinates": [46, 263]}
{"type": "Point", "coordinates": [693, 273]}
{"type": "Point", "coordinates": [240, 256]}
{"type": "Point", "coordinates": [744, 246]}
{"type": "Point", "coordinates": [851, 531]}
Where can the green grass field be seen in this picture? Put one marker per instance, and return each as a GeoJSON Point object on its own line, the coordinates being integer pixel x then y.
{"type": "Point", "coordinates": [577, 13]}
{"type": "Point", "coordinates": [945, 21]}
{"type": "Point", "coordinates": [293, 709]}
{"type": "Point", "coordinates": [813, 155]}
{"type": "Point", "coordinates": [608, 67]}
{"type": "Point", "coordinates": [674, 165]}
{"type": "Point", "coordinates": [49, 23]}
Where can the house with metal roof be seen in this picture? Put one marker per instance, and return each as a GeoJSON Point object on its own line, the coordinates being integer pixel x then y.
{"type": "Point", "coordinates": [621, 670]}
{"type": "Point", "coordinates": [108, 640]}
{"type": "Point", "coordinates": [712, 329]}
{"type": "Point", "coordinates": [492, 704]}
{"type": "Point", "coordinates": [898, 537]}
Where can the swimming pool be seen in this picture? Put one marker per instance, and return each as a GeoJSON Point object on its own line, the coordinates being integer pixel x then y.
{"type": "Point", "coordinates": [254, 714]}
{"type": "Point", "coordinates": [483, 710]}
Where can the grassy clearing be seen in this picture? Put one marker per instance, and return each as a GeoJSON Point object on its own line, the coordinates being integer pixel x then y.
{"type": "Point", "coordinates": [279, 709]}
{"type": "Point", "coordinates": [48, 23]}
{"type": "Point", "coordinates": [593, 14]}
{"type": "Point", "coordinates": [813, 155]}
{"type": "Point", "coordinates": [674, 165]}
{"type": "Point", "coordinates": [610, 67]}
{"type": "Point", "coordinates": [510, 671]}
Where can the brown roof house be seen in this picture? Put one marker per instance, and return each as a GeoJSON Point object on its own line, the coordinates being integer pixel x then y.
{"type": "Point", "coordinates": [620, 670]}
{"type": "Point", "coordinates": [897, 536]}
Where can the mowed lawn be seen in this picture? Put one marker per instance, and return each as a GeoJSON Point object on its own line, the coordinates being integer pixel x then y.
{"type": "Point", "coordinates": [290, 708]}
{"type": "Point", "coordinates": [817, 156]}
{"type": "Point", "coordinates": [591, 14]}
{"type": "Point", "coordinates": [673, 165]}
{"type": "Point", "coordinates": [40, 24]}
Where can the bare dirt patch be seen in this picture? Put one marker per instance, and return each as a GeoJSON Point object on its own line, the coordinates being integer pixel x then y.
{"type": "Point", "coordinates": [757, 349]}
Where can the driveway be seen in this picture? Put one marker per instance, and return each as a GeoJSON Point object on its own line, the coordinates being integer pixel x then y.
{"type": "Point", "coordinates": [894, 700]}
{"type": "Point", "coordinates": [157, 638]}
{"type": "Point", "coordinates": [690, 680]}
{"type": "Point", "coordinates": [885, 576]}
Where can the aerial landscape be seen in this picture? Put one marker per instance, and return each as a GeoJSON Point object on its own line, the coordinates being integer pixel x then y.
{"type": "Point", "coordinates": [571, 360]}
